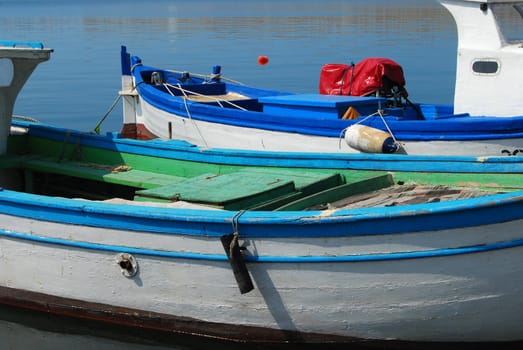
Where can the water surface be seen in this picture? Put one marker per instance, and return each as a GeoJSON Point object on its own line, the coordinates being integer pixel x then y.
{"type": "Point", "coordinates": [77, 86]}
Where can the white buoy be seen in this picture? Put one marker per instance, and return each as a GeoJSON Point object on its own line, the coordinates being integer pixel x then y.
{"type": "Point", "coordinates": [370, 140]}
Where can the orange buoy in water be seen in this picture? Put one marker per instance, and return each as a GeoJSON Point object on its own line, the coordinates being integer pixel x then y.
{"type": "Point", "coordinates": [263, 60]}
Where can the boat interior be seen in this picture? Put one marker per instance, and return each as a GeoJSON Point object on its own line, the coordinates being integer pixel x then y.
{"type": "Point", "coordinates": [68, 169]}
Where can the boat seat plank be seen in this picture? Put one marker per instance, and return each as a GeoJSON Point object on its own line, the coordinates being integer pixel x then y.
{"type": "Point", "coordinates": [121, 175]}
{"type": "Point", "coordinates": [230, 96]}
{"type": "Point", "coordinates": [275, 203]}
{"type": "Point", "coordinates": [305, 181]}
{"type": "Point", "coordinates": [406, 194]}
{"type": "Point", "coordinates": [339, 192]}
{"type": "Point", "coordinates": [229, 191]}
{"type": "Point", "coordinates": [253, 189]}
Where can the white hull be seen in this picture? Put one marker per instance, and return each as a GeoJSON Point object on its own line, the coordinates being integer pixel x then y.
{"type": "Point", "coordinates": [455, 298]}
{"type": "Point", "coordinates": [214, 135]}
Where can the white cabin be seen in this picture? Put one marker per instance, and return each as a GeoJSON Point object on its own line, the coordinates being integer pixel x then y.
{"type": "Point", "coordinates": [489, 71]}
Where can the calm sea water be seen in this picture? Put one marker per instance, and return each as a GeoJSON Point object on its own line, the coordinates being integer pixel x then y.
{"type": "Point", "coordinates": [77, 86]}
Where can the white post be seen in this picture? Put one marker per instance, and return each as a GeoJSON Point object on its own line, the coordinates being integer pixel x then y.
{"type": "Point", "coordinates": [17, 62]}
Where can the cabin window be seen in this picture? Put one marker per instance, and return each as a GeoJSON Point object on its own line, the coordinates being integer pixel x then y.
{"type": "Point", "coordinates": [485, 66]}
{"type": "Point", "coordinates": [510, 20]}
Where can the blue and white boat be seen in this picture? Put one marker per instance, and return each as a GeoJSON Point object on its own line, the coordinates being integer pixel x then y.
{"type": "Point", "coordinates": [486, 118]}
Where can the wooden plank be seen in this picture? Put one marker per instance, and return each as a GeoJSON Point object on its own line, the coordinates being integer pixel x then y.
{"type": "Point", "coordinates": [229, 191]}
{"type": "Point", "coordinates": [249, 188]}
{"type": "Point", "coordinates": [305, 180]}
{"type": "Point", "coordinates": [339, 192]}
{"type": "Point", "coordinates": [275, 203]}
{"type": "Point", "coordinates": [306, 185]}
{"type": "Point", "coordinates": [142, 179]}
{"type": "Point", "coordinates": [121, 174]}
{"type": "Point", "coordinates": [398, 195]}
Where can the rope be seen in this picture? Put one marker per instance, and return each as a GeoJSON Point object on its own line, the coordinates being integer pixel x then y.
{"type": "Point", "coordinates": [187, 110]}
{"type": "Point", "coordinates": [353, 66]}
{"type": "Point", "coordinates": [136, 65]}
{"type": "Point", "coordinates": [97, 127]}
{"type": "Point", "coordinates": [235, 232]}
{"type": "Point", "coordinates": [29, 119]}
{"type": "Point", "coordinates": [205, 76]}
{"type": "Point", "coordinates": [342, 133]}
{"type": "Point", "coordinates": [218, 100]}
{"type": "Point", "coordinates": [186, 105]}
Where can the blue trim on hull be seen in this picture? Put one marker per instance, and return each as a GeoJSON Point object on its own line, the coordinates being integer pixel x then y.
{"type": "Point", "coordinates": [175, 149]}
{"type": "Point", "coordinates": [211, 223]}
{"type": "Point", "coordinates": [448, 129]}
{"type": "Point", "coordinates": [125, 61]}
{"type": "Point", "coordinates": [19, 44]}
{"type": "Point", "coordinates": [433, 253]}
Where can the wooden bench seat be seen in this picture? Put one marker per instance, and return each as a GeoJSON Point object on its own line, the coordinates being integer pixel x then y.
{"type": "Point", "coordinates": [245, 189]}
{"type": "Point", "coordinates": [121, 175]}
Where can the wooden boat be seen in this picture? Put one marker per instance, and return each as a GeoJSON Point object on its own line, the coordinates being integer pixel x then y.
{"type": "Point", "coordinates": [128, 233]}
{"type": "Point", "coordinates": [365, 104]}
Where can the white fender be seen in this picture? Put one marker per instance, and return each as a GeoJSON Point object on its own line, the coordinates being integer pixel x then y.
{"type": "Point", "coordinates": [369, 140]}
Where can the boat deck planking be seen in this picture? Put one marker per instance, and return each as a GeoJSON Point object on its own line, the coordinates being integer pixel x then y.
{"type": "Point", "coordinates": [242, 189]}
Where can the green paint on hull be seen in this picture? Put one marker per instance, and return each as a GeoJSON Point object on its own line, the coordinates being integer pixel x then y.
{"type": "Point", "coordinates": [150, 178]}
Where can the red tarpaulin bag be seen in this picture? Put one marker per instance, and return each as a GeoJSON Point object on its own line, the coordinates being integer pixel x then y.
{"type": "Point", "coordinates": [364, 78]}
{"type": "Point", "coordinates": [332, 77]}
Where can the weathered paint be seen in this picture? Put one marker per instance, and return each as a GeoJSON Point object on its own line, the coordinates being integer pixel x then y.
{"type": "Point", "coordinates": [185, 160]}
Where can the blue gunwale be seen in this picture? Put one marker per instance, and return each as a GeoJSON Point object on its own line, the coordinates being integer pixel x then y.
{"type": "Point", "coordinates": [22, 44]}
{"type": "Point", "coordinates": [176, 149]}
{"type": "Point", "coordinates": [211, 223]}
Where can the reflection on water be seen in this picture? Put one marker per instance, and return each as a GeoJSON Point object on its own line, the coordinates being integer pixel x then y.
{"type": "Point", "coordinates": [81, 81]}
{"type": "Point", "coordinates": [20, 330]}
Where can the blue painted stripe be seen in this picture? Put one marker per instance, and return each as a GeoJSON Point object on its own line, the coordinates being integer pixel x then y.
{"type": "Point", "coordinates": [33, 45]}
{"type": "Point", "coordinates": [391, 256]}
{"type": "Point", "coordinates": [214, 223]}
{"type": "Point", "coordinates": [176, 149]}
{"type": "Point", "coordinates": [434, 253]}
{"type": "Point", "coordinates": [125, 58]}
{"type": "Point", "coordinates": [112, 248]}
{"type": "Point", "coordinates": [344, 222]}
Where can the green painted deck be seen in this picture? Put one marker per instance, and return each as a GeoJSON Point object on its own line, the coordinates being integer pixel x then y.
{"type": "Point", "coordinates": [118, 174]}
{"type": "Point", "coordinates": [244, 189]}
{"type": "Point", "coordinates": [70, 151]}
{"type": "Point", "coordinates": [232, 187]}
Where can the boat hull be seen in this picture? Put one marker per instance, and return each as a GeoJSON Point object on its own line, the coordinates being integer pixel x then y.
{"type": "Point", "coordinates": [428, 283]}
{"type": "Point", "coordinates": [155, 122]}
